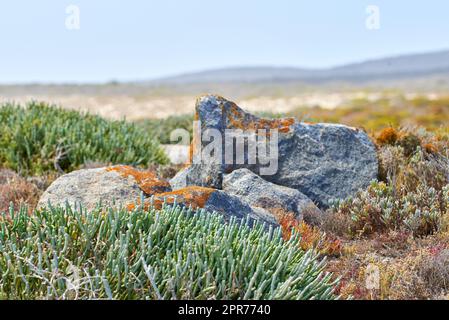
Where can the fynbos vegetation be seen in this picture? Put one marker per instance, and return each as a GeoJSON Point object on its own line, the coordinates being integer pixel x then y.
{"type": "Point", "coordinates": [167, 254]}
{"type": "Point", "coordinates": [399, 224]}
{"type": "Point", "coordinates": [39, 138]}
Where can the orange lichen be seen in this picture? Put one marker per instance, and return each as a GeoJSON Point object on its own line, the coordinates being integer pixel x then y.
{"type": "Point", "coordinates": [430, 148]}
{"type": "Point", "coordinates": [310, 237]}
{"type": "Point", "coordinates": [148, 181]}
{"type": "Point", "coordinates": [237, 120]}
{"type": "Point", "coordinates": [195, 197]}
{"type": "Point", "coordinates": [388, 136]}
{"type": "Point", "coordinates": [191, 152]}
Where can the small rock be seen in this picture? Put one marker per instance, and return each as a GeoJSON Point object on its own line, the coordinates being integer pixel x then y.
{"type": "Point", "coordinates": [277, 200]}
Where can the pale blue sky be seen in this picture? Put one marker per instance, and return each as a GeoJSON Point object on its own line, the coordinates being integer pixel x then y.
{"type": "Point", "coordinates": [137, 39]}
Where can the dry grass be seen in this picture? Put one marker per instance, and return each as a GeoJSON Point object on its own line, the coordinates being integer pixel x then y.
{"type": "Point", "coordinates": [398, 226]}
{"type": "Point", "coordinates": [311, 237]}
{"type": "Point", "coordinates": [409, 269]}
{"type": "Point", "coordinates": [387, 111]}
{"type": "Point", "coordinates": [17, 191]}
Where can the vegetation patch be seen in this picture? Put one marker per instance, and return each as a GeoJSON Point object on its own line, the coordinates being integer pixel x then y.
{"type": "Point", "coordinates": [16, 191]}
{"type": "Point", "coordinates": [40, 138]}
{"type": "Point", "coordinates": [411, 194]}
{"type": "Point", "coordinates": [396, 111]}
{"type": "Point", "coordinates": [161, 129]}
{"type": "Point", "coordinates": [167, 254]}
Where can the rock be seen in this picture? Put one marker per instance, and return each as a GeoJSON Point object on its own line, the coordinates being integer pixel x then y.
{"type": "Point", "coordinates": [323, 161]}
{"type": "Point", "coordinates": [118, 185]}
{"type": "Point", "coordinates": [211, 200]}
{"type": "Point", "coordinates": [124, 186]}
{"type": "Point", "coordinates": [148, 181]}
{"type": "Point", "coordinates": [210, 176]}
{"type": "Point", "coordinates": [277, 200]}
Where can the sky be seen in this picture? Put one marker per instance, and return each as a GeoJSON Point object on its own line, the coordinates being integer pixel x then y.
{"type": "Point", "coordinates": [118, 40]}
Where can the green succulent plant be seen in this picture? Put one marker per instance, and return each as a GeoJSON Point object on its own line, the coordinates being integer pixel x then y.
{"type": "Point", "coordinates": [174, 253]}
{"type": "Point", "coordinates": [39, 138]}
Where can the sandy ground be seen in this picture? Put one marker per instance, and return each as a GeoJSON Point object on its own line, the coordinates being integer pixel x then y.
{"type": "Point", "coordinates": [136, 108]}
{"type": "Point", "coordinates": [135, 102]}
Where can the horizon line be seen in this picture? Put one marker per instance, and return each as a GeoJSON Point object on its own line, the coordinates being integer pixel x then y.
{"type": "Point", "coordinates": [212, 69]}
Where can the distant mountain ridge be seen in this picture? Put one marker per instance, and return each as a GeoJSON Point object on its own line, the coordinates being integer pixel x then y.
{"type": "Point", "coordinates": [390, 68]}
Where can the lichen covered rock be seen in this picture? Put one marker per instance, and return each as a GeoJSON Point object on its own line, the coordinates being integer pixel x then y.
{"type": "Point", "coordinates": [279, 201]}
{"type": "Point", "coordinates": [323, 161]}
{"type": "Point", "coordinates": [125, 186]}
{"type": "Point", "coordinates": [148, 181]}
{"type": "Point", "coordinates": [117, 185]}
{"type": "Point", "coordinates": [211, 200]}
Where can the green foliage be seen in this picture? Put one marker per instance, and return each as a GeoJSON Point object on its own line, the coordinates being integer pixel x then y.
{"type": "Point", "coordinates": [41, 138]}
{"type": "Point", "coordinates": [412, 195]}
{"type": "Point", "coordinates": [414, 198]}
{"type": "Point", "coordinates": [162, 128]}
{"type": "Point", "coordinates": [378, 208]}
{"type": "Point", "coordinates": [168, 254]}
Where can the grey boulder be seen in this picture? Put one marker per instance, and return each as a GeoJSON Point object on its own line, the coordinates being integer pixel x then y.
{"type": "Point", "coordinates": [212, 200]}
{"type": "Point", "coordinates": [112, 186]}
{"type": "Point", "coordinates": [322, 161]}
{"type": "Point", "coordinates": [276, 200]}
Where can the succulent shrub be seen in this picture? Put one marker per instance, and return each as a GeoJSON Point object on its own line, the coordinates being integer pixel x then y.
{"type": "Point", "coordinates": [412, 194]}
{"type": "Point", "coordinates": [162, 128]}
{"type": "Point", "coordinates": [40, 138]}
{"type": "Point", "coordinates": [379, 208]}
{"type": "Point", "coordinates": [173, 253]}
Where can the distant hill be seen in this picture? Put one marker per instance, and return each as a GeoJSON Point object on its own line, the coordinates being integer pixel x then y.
{"type": "Point", "coordinates": [392, 68]}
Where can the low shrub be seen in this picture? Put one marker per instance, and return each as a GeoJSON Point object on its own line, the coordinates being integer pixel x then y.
{"type": "Point", "coordinates": [40, 138]}
{"type": "Point", "coordinates": [161, 129]}
{"type": "Point", "coordinates": [435, 271]}
{"type": "Point", "coordinates": [17, 191]}
{"type": "Point", "coordinates": [379, 208]}
{"type": "Point", "coordinates": [310, 237]}
{"type": "Point", "coordinates": [411, 194]}
{"type": "Point", "coordinates": [387, 136]}
{"type": "Point", "coordinates": [169, 254]}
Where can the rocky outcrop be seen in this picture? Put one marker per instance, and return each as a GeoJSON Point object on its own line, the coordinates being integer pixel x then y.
{"type": "Point", "coordinates": [211, 200]}
{"type": "Point", "coordinates": [117, 185]}
{"type": "Point", "coordinates": [124, 186]}
{"type": "Point", "coordinates": [269, 168]}
{"type": "Point", "coordinates": [322, 161]}
{"type": "Point", "coordinates": [258, 193]}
